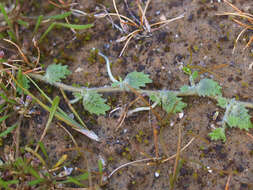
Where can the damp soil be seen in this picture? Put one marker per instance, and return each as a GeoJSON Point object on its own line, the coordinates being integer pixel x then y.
{"type": "Point", "coordinates": [201, 40]}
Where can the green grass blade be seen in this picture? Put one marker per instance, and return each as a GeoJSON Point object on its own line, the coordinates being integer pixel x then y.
{"type": "Point", "coordinates": [59, 109]}
{"type": "Point", "coordinates": [75, 26]}
{"type": "Point", "coordinates": [43, 149]}
{"type": "Point", "coordinates": [28, 149]}
{"type": "Point", "coordinates": [8, 130]}
{"type": "Point", "coordinates": [2, 108]}
{"type": "Point", "coordinates": [6, 18]}
{"type": "Point", "coordinates": [53, 108]}
{"type": "Point", "coordinates": [4, 118]}
{"type": "Point", "coordinates": [100, 166]}
{"type": "Point", "coordinates": [12, 35]}
{"type": "Point", "coordinates": [10, 24]}
{"type": "Point", "coordinates": [61, 116]}
{"type": "Point", "coordinates": [23, 23]}
{"type": "Point", "coordinates": [6, 99]}
{"type": "Point", "coordinates": [76, 180]}
{"type": "Point", "coordinates": [5, 184]}
{"type": "Point", "coordinates": [60, 16]}
{"type": "Point", "coordinates": [51, 26]}
{"type": "Point", "coordinates": [3, 60]}
{"type": "Point", "coordinates": [73, 180]}
{"type": "Point", "coordinates": [35, 182]}
{"type": "Point", "coordinates": [37, 24]}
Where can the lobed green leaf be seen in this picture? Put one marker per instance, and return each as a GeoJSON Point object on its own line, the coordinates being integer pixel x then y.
{"type": "Point", "coordinates": [208, 87]}
{"type": "Point", "coordinates": [238, 116]}
{"type": "Point", "coordinates": [171, 103]}
{"type": "Point", "coordinates": [94, 103]}
{"type": "Point", "coordinates": [56, 72]}
{"type": "Point", "coordinates": [218, 134]}
{"type": "Point", "coordinates": [222, 102]}
{"type": "Point", "coordinates": [137, 79]}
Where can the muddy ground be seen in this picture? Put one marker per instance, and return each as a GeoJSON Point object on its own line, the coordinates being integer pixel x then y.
{"type": "Point", "coordinates": [201, 39]}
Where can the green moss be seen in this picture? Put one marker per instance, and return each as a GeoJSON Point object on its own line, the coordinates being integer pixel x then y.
{"type": "Point", "coordinates": [93, 56]}
{"type": "Point", "coordinates": [195, 48]}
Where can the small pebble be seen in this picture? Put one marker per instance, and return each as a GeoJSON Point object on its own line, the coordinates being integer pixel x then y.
{"type": "Point", "coordinates": [181, 115]}
{"type": "Point", "coordinates": [157, 174]}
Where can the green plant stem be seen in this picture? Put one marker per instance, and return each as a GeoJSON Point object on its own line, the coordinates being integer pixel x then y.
{"type": "Point", "coordinates": [108, 89]}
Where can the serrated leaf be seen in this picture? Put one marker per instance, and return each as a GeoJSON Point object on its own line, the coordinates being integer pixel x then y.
{"type": "Point", "coordinates": [184, 88]}
{"type": "Point", "coordinates": [137, 79]}
{"type": "Point", "coordinates": [77, 95]}
{"type": "Point", "coordinates": [155, 98]}
{"type": "Point", "coordinates": [238, 116]}
{"type": "Point", "coordinates": [208, 87]}
{"type": "Point", "coordinates": [56, 72]}
{"type": "Point", "coordinates": [195, 75]}
{"type": "Point", "coordinates": [218, 134]}
{"type": "Point", "coordinates": [171, 103]}
{"type": "Point", "coordinates": [116, 84]}
{"type": "Point", "coordinates": [222, 102]}
{"type": "Point", "coordinates": [94, 103]}
{"type": "Point", "coordinates": [21, 78]}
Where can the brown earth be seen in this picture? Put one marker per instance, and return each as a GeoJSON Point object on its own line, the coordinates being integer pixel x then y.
{"type": "Point", "coordinates": [201, 39]}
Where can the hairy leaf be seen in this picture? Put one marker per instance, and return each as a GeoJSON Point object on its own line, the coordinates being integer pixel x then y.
{"type": "Point", "coordinates": [94, 103]}
{"type": "Point", "coordinates": [218, 134]}
{"type": "Point", "coordinates": [185, 88]}
{"type": "Point", "coordinates": [137, 79]}
{"type": "Point", "coordinates": [222, 102]}
{"type": "Point", "coordinates": [155, 98]}
{"type": "Point", "coordinates": [171, 103]}
{"type": "Point", "coordinates": [56, 72]}
{"type": "Point", "coordinates": [237, 116]}
{"type": "Point", "coordinates": [208, 87]}
{"type": "Point", "coordinates": [22, 80]}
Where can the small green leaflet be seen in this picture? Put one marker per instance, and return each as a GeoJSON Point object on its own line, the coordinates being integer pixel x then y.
{"type": "Point", "coordinates": [237, 116]}
{"type": "Point", "coordinates": [208, 87]}
{"type": "Point", "coordinates": [218, 134]}
{"type": "Point", "coordinates": [170, 102]}
{"type": "Point", "coordinates": [56, 72]}
{"type": "Point", "coordinates": [93, 103]}
{"type": "Point", "coordinates": [185, 88]}
{"type": "Point", "coordinates": [222, 102]}
{"type": "Point", "coordinates": [22, 80]}
{"type": "Point", "coordinates": [135, 80]}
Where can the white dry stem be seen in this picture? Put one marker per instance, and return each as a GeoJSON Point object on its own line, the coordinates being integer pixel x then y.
{"type": "Point", "coordinates": [108, 67]}
{"type": "Point", "coordinates": [142, 109]}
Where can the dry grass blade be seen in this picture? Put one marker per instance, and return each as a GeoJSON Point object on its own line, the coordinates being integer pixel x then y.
{"type": "Point", "coordinates": [175, 170]}
{"type": "Point", "coordinates": [142, 25]}
{"type": "Point", "coordinates": [20, 51]}
{"type": "Point", "coordinates": [171, 157]}
{"type": "Point", "coordinates": [150, 159]}
{"type": "Point", "coordinates": [228, 181]}
{"type": "Point", "coordinates": [132, 35]}
{"type": "Point", "coordinates": [242, 15]}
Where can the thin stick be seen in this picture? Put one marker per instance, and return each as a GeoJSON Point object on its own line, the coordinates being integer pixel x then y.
{"type": "Point", "coordinates": [171, 157]}
{"type": "Point", "coordinates": [132, 35]}
{"type": "Point", "coordinates": [20, 51]}
{"type": "Point", "coordinates": [177, 157]}
{"type": "Point", "coordinates": [228, 181]}
{"type": "Point", "coordinates": [72, 138]}
{"type": "Point", "coordinates": [38, 50]}
{"type": "Point", "coordinates": [238, 37]}
{"type": "Point", "coordinates": [250, 135]}
{"type": "Point", "coordinates": [130, 163]}
{"type": "Point", "coordinates": [149, 159]}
